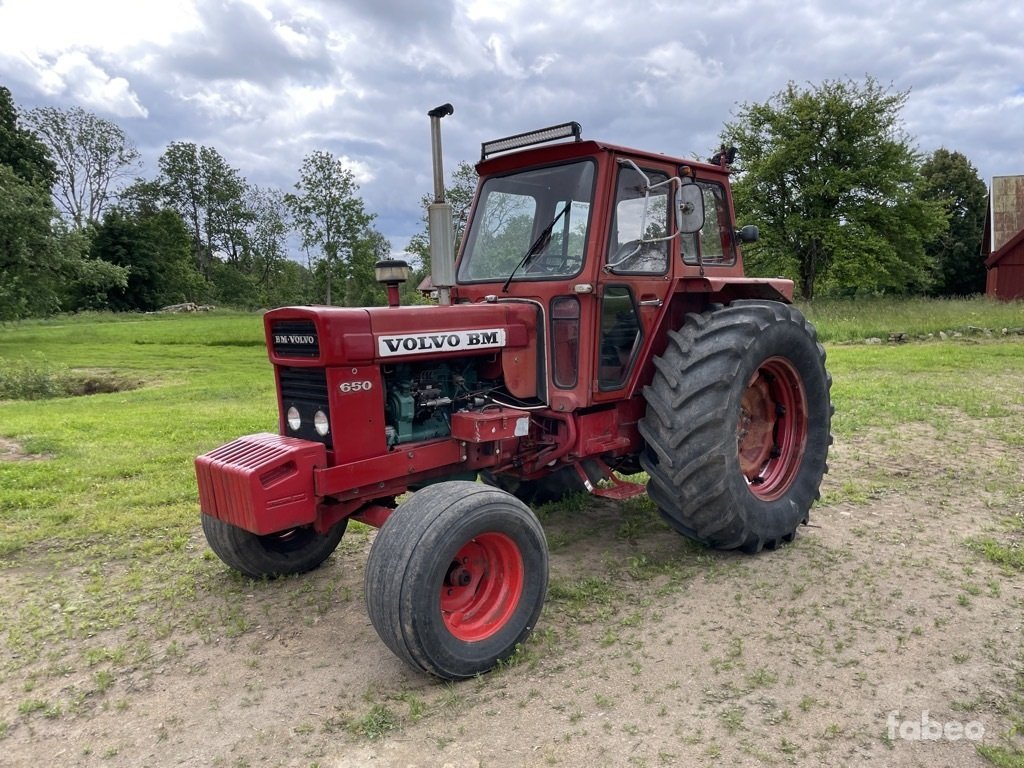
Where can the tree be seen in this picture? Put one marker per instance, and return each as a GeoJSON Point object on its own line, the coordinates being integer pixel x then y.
{"type": "Point", "coordinates": [142, 197]}
{"type": "Point", "coordinates": [362, 288]}
{"type": "Point", "coordinates": [238, 231]}
{"type": "Point", "coordinates": [328, 214]}
{"type": "Point", "coordinates": [94, 281]}
{"type": "Point", "coordinates": [91, 155]}
{"type": "Point", "coordinates": [209, 195]}
{"type": "Point", "coordinates": [268, 228]}
{"type": "Point", "coordinates": [154, 249]}
{"type": "Point", "coordinates": [260, 273]}
{"type": "Point", "coordinates": [951, 180]}
{"type": "Point", "coordinates": [21, 150]}
{"type": "Point", "coordinates": [832, 180]}
{"type": "Point", "coordinates": [31, 255]}
{"type": "Point", "coordinates": [292, 284]}
{"type": "Point", "coordinates": [41, 262]}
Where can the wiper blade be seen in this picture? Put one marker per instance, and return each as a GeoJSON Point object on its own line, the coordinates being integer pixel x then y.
{"type": "Point", "coordinates": [538, 245]}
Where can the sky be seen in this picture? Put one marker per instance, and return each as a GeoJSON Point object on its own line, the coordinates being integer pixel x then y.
{"type": "Point", "coordinates": [266, 82]}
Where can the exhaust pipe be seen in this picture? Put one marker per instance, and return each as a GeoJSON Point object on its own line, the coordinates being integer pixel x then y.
{"type": "Point", "coordinates": [439, 217]}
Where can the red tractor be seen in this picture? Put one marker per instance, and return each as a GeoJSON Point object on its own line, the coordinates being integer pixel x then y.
{"type": "Point", "coordinates": [597, 324]}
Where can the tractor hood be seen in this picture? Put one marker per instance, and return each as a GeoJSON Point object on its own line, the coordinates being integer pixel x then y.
{"type": "Point", "coordinates": [328, 336]}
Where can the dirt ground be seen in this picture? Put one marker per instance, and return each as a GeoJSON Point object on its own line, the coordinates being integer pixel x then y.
{"type": "Point", "coordinates": [850, 647]}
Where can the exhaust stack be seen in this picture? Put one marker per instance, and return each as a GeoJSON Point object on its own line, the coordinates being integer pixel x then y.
{"type": "Point", "coordinates": [439, 217]}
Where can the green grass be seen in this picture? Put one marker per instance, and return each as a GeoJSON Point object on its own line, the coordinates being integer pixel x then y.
{"type": "Point", "coordinates": [839, 320]}
{"type": "Point", "coordinates": [120, 464]}
{"type": "Point", "coordinates": [379, 721]}
{"type": "Point", "coordinates": [891, 385]}
{"type": "Point", "coordinates": [1007, 552]}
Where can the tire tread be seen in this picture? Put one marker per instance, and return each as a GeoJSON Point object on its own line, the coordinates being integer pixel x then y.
{"type": "Point", "coordinates": [690, 453]}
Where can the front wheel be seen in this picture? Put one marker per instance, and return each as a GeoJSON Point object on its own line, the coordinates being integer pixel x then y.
{"type": "Point", "coordinates": [456, 578]}
{"type": "Point", "coordinates": [738, 423]}
{"type": "Point", "coordinates": [295, 550]}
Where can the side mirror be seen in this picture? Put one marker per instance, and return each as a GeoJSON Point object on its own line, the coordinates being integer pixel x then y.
{"type": "Point", "coordinates": [690, 213]}
{"type": "Point", "coordinates": [748, 234]}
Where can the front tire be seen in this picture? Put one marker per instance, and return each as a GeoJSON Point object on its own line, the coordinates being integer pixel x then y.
{"type": "Point", "coordinates": [296, 550]}
{"type": "Point", "coordinates": [738, 424]}
{"type": "Point", "coordinates": [456, 578]}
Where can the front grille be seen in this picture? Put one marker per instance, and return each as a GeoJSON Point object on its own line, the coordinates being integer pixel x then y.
{"type": "Point", "coordinates": [295, 338]}
{"type": "Point", "coordinates": [305, 389]}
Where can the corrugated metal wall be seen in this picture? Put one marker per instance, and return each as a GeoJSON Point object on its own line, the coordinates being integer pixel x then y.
{"type": "Point", "coordinates": [1007, 209]}
{"type": "Point", "coordinates": [1006, 279]}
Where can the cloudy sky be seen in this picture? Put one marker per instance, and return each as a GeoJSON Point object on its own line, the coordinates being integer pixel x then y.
{"type": "Point", "coordinates": [267, 81]}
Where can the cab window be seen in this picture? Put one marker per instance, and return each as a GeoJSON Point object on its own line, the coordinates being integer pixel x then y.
{"type": "Point", "coordinates": [715, 241]}
{"type": "Point", "coordinates": [530, 225]}
{"type": "Point", "coordinates": [621, 335]}
{"type": "Point", "coordinates": [637, 243]}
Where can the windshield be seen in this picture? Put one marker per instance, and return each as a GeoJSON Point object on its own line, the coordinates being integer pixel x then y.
{"type": "Point", "coordinates": [509, 233]}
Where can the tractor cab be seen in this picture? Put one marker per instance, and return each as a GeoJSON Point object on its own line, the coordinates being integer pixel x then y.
{"type": "Point", "coordinates": [598, 238]}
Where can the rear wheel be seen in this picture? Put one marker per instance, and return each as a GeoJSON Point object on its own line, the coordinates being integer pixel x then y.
{"type": "Point", "coordinates": [737, 427]}
{"type": "Point", "coordinates": [295, 550]}
{"type": "Point", "coordinates": [456, 578]}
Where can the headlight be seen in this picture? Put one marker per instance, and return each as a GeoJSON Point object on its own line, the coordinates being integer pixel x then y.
{"type": "Point", "coordinates": [320, 423]}
{"type": "Point", "coordinates": [294, 420]}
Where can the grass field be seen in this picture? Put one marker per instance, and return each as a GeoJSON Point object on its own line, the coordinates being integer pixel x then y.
{"type": "Point", "coordinates": [99, 548]}
{"type": "Point", "coordinates": [845, 320]}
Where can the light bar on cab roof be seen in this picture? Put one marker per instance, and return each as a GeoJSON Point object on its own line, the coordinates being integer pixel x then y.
{"type": "Point", "coordinates": [520, 140]}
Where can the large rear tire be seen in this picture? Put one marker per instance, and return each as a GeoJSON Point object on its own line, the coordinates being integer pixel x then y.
{"type": "Point", "coordinates": [738, 424]}
{"type": "Point", "coordinates": [296, 550]}
{"type": "Point", "coordinates": [456, 578]}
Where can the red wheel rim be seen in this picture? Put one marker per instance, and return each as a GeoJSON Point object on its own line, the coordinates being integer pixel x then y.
{"type": "Point", "coordinates": [771, 433]}
{"type": "Point", "coordinates": [482, 587]}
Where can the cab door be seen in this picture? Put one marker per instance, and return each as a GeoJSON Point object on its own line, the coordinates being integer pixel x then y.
{"type": "Point", "coordinates": [634, 280]}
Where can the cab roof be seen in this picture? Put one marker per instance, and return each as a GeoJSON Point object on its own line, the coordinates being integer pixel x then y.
{"type": "Point", "coordinates": [571, 150]}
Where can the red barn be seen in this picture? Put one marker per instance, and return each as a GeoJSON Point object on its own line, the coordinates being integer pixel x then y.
{"type": "Point", "coordinates": [1004, 238]}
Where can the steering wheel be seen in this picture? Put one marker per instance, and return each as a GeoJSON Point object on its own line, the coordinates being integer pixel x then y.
{"type": "Point", "coordinates": [628, 248]}
{"type": "Point", "coordinates": [551, 264]}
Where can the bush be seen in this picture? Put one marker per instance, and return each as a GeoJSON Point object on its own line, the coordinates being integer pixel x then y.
{"type": "Point", "coordinates": [33, 380]}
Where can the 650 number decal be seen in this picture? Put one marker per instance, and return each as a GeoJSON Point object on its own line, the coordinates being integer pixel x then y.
{"type": "Point", "coordinates": [355, 386]}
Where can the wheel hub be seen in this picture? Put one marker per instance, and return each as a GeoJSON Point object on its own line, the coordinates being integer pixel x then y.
{"type": "Point", "coordinates": [482, 587]}
{"type": "Point", "coordinates": [755, 433]}
{"type": "Point", "coordinates": [771, 430]}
